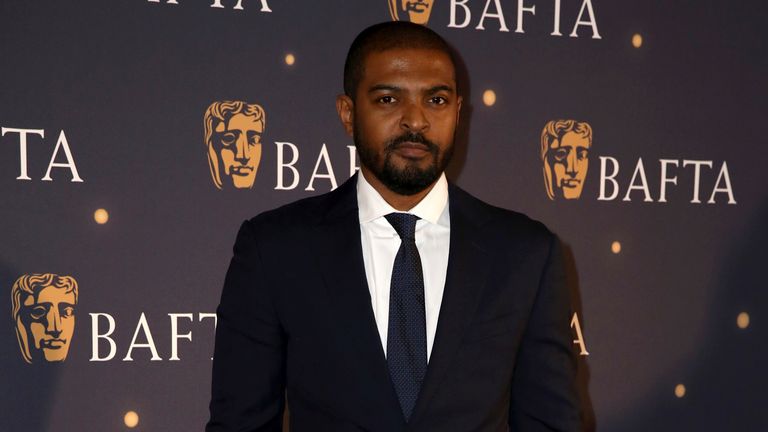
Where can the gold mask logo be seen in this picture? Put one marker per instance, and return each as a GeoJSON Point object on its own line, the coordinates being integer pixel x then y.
{"type": "Point", "coordinates": [565, 147]}
{"type": "Point", "coordinates": [233, 137]}
{"type": "Point", "coordinates": [417, 11]}
{"type": "Point", "coordinates": [44, 314]}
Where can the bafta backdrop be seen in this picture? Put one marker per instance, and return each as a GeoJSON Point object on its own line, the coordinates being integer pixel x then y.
{"type": "Point", "coordinates": [136, 136]}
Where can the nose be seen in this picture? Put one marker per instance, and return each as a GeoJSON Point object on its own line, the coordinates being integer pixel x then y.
{"type": "Point", "coordinates": [53, 324]}
{"type": "Point", "coordinates": [413, 119]}
{"type": "Point", "coordinates": [570, 164]}
{"type": "Point", "coordinates": [242, 154]}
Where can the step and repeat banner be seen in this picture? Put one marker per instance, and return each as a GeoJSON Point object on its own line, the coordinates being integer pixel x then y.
{"type": "Point", "coordinates": [136, 136]}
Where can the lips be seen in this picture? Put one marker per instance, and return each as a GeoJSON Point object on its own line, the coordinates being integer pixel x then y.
{"type": "Point", "coordinates": [571, 183]}
{"type": "Point", "coordinates": [241, 170]}
{"type": "Point", "coordinates": [52, 343]}
{"type": "Point", "coordinates": [411, 150]}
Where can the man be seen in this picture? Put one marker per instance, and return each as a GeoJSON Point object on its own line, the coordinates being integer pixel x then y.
{"type": "Point", "coordinates": [397, 302]}
{"type": "Point", "coordinates": [44, 313]}
{"type": "Point", "coordinates": [233, 136]}
{"type": "Point", "coordinates": [565, 154]}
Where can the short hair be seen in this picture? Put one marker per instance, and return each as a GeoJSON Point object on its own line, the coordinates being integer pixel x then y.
{"type": "Point", "coordinates": [556, 129]}
{"type": "Point", "coordinates": [385, 36]}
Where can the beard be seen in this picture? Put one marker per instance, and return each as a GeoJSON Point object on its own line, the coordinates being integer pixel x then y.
{"type": "Point", "coordinates": [410, 179]}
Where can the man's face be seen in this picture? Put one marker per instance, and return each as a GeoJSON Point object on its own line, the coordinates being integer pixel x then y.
{"type": "Point", "coordinates": [569, 159]}
{"type": "Point", "coordinates": [48, 322]}
{"type": "Point", "coordinates": [239, 145]}
{"type": "Point", "coordinates": [418, 10]}
{"type": "Point", "coordinates": [404, 117]}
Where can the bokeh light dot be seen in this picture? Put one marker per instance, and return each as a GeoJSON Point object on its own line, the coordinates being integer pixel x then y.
{"type": "Point", "coordinates": [489, 97]}
{"type": "Point", "coordinates": [131, 419]}
{"type": "Point", "coordinates": [742, 320]}
{"type": "Point", "coordinates": [290, 59]}
{"type": "Point", "coordinates": [680, 390]}
{"type": "Point", "coordinates": [615, 247]}
{"type": "Point", "coordinates": [637, 40]}
{"type": "Point", "coordinates": [101, 216]}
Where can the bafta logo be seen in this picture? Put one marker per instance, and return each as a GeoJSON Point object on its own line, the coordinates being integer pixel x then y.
{"type": "Point", "coordinates": [565, 146]}
{"type": "Point", "coordinates": [417, 11]}
{"type": "Point", "coordinates": [44, 314]}
{"type": "Point", "coordinates": [233, 137]}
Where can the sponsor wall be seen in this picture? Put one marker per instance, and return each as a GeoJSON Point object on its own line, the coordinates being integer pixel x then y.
{"type": "Point", "coordinates": [137, 135]}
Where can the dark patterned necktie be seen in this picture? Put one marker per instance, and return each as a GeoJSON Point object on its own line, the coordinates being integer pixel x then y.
{"type": "Point", "coordinates": [407, 332]}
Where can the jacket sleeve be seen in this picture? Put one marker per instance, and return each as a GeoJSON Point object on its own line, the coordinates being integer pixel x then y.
{"type": "Point", "coordinates": [248, 383]}
{"type": "Point", "coordinates": [544, 396]}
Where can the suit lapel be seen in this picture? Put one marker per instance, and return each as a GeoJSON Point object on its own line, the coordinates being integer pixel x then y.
{"type": "Point", "coordinates": [337, 246]}
{"type": "Point", "coordinates": [465, 279]}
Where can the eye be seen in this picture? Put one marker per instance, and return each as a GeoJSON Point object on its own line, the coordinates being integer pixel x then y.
{"type": "Point", "coordinates": [438, 100]}
{"type": "Point", "coordinates": [228, 138]}
{"type": "Point", "coordinates": [386, 100]}
{"type": "Point", "coordinates": [254, 138]}
{"type": "Point", "coordinates": [38, 312]}
{"type": "Point", "coordinates": [561, 154]}
{"type": "Point", "coordinates": [582, 154]}
{"type": "Point", "coordinates": [67, 312]}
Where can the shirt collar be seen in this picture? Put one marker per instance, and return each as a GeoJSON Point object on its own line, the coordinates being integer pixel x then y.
{"type": "Point", "coordinates": [372, 206]}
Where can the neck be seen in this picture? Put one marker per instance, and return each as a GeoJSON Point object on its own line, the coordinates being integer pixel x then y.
{"type": "Point", "coordinates": [397, 201]}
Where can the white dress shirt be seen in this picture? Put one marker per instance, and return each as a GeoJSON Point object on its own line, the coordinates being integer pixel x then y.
{"type": "Point", "coordinates": [380, 244]}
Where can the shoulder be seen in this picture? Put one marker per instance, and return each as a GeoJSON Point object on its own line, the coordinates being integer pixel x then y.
{"type": "Point", "coordinates": [498, 223]}
{"type": "Point", "coordinates": [299, 216]}
{"type": "Point", "coordinates": [289, 220]}
{"type": "Point", "coordinates": [299, 213]}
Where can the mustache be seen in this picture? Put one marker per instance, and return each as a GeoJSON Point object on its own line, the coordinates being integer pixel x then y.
{"type": "Point", "coordinates": [413, 137]}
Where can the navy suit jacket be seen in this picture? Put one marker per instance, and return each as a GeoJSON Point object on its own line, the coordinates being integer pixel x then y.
{"type": "Point", "coordinates": [295, 322]}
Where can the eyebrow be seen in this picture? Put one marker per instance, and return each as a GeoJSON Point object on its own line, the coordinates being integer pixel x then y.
{"type": "Point", "coordinates": [394, 88]}
{"type": "Point", "coordinates": [440, 88]}
{"type": "Point", "coordinates": [384, 87]}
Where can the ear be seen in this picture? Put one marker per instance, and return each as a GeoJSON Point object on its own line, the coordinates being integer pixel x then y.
{"type": "Point", "coordinates": [345, 106]}
{"type": "Point", "coordinates": [458, 109]}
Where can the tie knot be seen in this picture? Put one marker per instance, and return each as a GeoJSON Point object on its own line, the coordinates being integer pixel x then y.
{"type": "Point", "coordinates": [404, 224]}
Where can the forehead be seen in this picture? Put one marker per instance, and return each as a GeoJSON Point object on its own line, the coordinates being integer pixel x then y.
{"type": "Point", "coordinates": [240, 121]}
{"type": "Point", "coordinates": [408, 66]}
{"type": "Point", "coordinates": [50, 294]}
